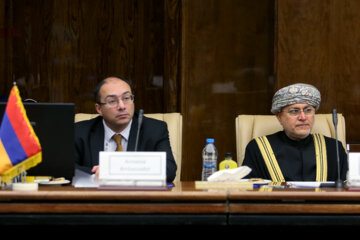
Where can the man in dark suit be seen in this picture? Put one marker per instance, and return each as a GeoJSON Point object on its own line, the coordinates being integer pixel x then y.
{"type": "Point", "coordinates": [115, 105]}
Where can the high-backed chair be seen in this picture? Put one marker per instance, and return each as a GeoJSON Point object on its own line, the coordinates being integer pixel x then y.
{"type": "Point", "coordinates": [174, 123]}
{"type": "Point", "coordinates": [252, 126]}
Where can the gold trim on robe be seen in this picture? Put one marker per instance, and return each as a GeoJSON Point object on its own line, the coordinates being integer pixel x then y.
{"type": "Point", "coordinates": [273, 166]}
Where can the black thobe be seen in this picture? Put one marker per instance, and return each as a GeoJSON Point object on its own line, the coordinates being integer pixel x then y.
{"type": "Point", "coordinates": [296, 159]}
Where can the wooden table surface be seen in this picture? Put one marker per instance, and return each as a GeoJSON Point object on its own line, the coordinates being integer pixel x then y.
{"type": "Point", "coordinates": [183, 203]}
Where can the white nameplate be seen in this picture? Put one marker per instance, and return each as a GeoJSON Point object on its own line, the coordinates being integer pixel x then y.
{"type": "Point", "coordinates": [354, 169]}
{"type": "Point", "coordinates": [132, 169]}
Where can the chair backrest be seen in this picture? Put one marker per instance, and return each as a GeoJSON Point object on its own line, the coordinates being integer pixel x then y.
{"type": "Point", "coordinates": [174, 123]}
{"type": "Point", "coordinates": [252, 126]}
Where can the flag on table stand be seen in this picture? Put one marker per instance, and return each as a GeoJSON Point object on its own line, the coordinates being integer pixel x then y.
{"type": "Point", "coordinates": [20, 148]}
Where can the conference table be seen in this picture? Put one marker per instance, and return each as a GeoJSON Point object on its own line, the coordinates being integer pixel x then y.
{"type": "Point", "coordinates": [184, 204]}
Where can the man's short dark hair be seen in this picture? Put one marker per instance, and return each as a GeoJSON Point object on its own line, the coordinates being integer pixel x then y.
{"type": "Point", "coordinates": [102, 82]}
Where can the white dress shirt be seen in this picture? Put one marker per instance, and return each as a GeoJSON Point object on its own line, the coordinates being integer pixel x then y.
{"type": "Point", "coordinates": [109, 142]}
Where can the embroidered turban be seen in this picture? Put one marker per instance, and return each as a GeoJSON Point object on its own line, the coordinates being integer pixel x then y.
{"type": "Point", "coordinates": [296, 93]}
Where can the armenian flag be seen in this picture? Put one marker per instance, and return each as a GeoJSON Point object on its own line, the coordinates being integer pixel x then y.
{"type": "Point", "coordinates": [20, 148]}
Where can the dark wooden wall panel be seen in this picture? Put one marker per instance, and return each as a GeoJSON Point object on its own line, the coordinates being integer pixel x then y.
{"type": "Point", "coordinates": [172, 55]}
{"type": "Point", "coordinates": [3, 34]}
{"type": "Point", "coordinates": [65, 47]}
{"type": "Point", "coordinates": [227, 67]}
{"type": "Point", "coordinates": [319, 44]}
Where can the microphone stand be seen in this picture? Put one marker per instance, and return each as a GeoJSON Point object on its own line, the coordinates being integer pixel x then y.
{"type": "Point", "coordinates": [338, 183]}
{"type": "Point", "coordinates": [140, 119]}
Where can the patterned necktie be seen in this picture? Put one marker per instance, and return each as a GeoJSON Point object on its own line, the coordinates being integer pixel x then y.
{"type": "Point", "coordinates": [117, 138]}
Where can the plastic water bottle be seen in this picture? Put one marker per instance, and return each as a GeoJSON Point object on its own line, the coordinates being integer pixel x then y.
{"type": "Point", "coordinates": [209, 156]}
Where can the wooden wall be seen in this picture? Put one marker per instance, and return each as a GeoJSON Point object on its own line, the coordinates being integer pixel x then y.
{"type": "Point", "coordinates": [227, 70]}
{"type": "Point", "coordinates": [319, 43]}
{"type": "Point", "coordinates": [208, 59]}
{"type": "Point", "coordinates": [64, 47]}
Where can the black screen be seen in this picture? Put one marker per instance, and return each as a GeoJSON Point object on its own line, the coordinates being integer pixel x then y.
{"type": "Point", "coordinates": [53, 124]}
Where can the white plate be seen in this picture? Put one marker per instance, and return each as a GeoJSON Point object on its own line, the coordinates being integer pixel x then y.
{"type": "Point", "coordinates": [55, 183]}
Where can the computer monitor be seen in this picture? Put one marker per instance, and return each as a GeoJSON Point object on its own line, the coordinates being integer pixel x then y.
{"type": "Point", "coordinates": [53, 124]}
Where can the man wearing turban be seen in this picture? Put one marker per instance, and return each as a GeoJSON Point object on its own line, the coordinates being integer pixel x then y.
{"type": "Point", "coordinates": [295, 154]}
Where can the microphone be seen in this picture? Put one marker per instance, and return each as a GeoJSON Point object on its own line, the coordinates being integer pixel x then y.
{"type": "Point", "coordinates": [339, 183]}
{"type": "Point", "coordinates": [140, 119]}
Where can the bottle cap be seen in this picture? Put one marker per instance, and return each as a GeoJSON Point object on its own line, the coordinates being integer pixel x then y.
{"type": "Point", "coordinates": [228, 155]}
{"type": "Point", "coordinates": [210, 140]}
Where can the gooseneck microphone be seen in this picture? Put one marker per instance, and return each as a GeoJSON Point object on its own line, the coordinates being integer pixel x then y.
{"type": "Point", "coordinates": [339, 183]}
{"type": "Point", "coordinates": [140, 119]}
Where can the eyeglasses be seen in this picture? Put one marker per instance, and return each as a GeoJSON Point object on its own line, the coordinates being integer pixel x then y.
{"type": "Point", "coordinates": [112, 101]}
{"type": "Point", "coordinates": [295, 112]}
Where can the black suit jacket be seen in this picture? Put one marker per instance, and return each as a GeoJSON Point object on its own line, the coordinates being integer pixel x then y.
{"type": "Point", "coordinates": [154, 136]}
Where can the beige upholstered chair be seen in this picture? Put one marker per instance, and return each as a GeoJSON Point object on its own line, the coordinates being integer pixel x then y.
{"type": "Point", "coordinates": [174, 122]}
{"type": "Point", "coordinates": [252, 126]}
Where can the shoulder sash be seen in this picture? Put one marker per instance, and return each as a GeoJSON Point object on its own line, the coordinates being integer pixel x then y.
{"type": "Point", "coordinates": [273, 166]}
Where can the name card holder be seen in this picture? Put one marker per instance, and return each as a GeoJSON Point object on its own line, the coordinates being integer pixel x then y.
{"type": "Point", "coordinates": [132, 170]}
{"type": "Point", "coordinates": [353, 178]}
